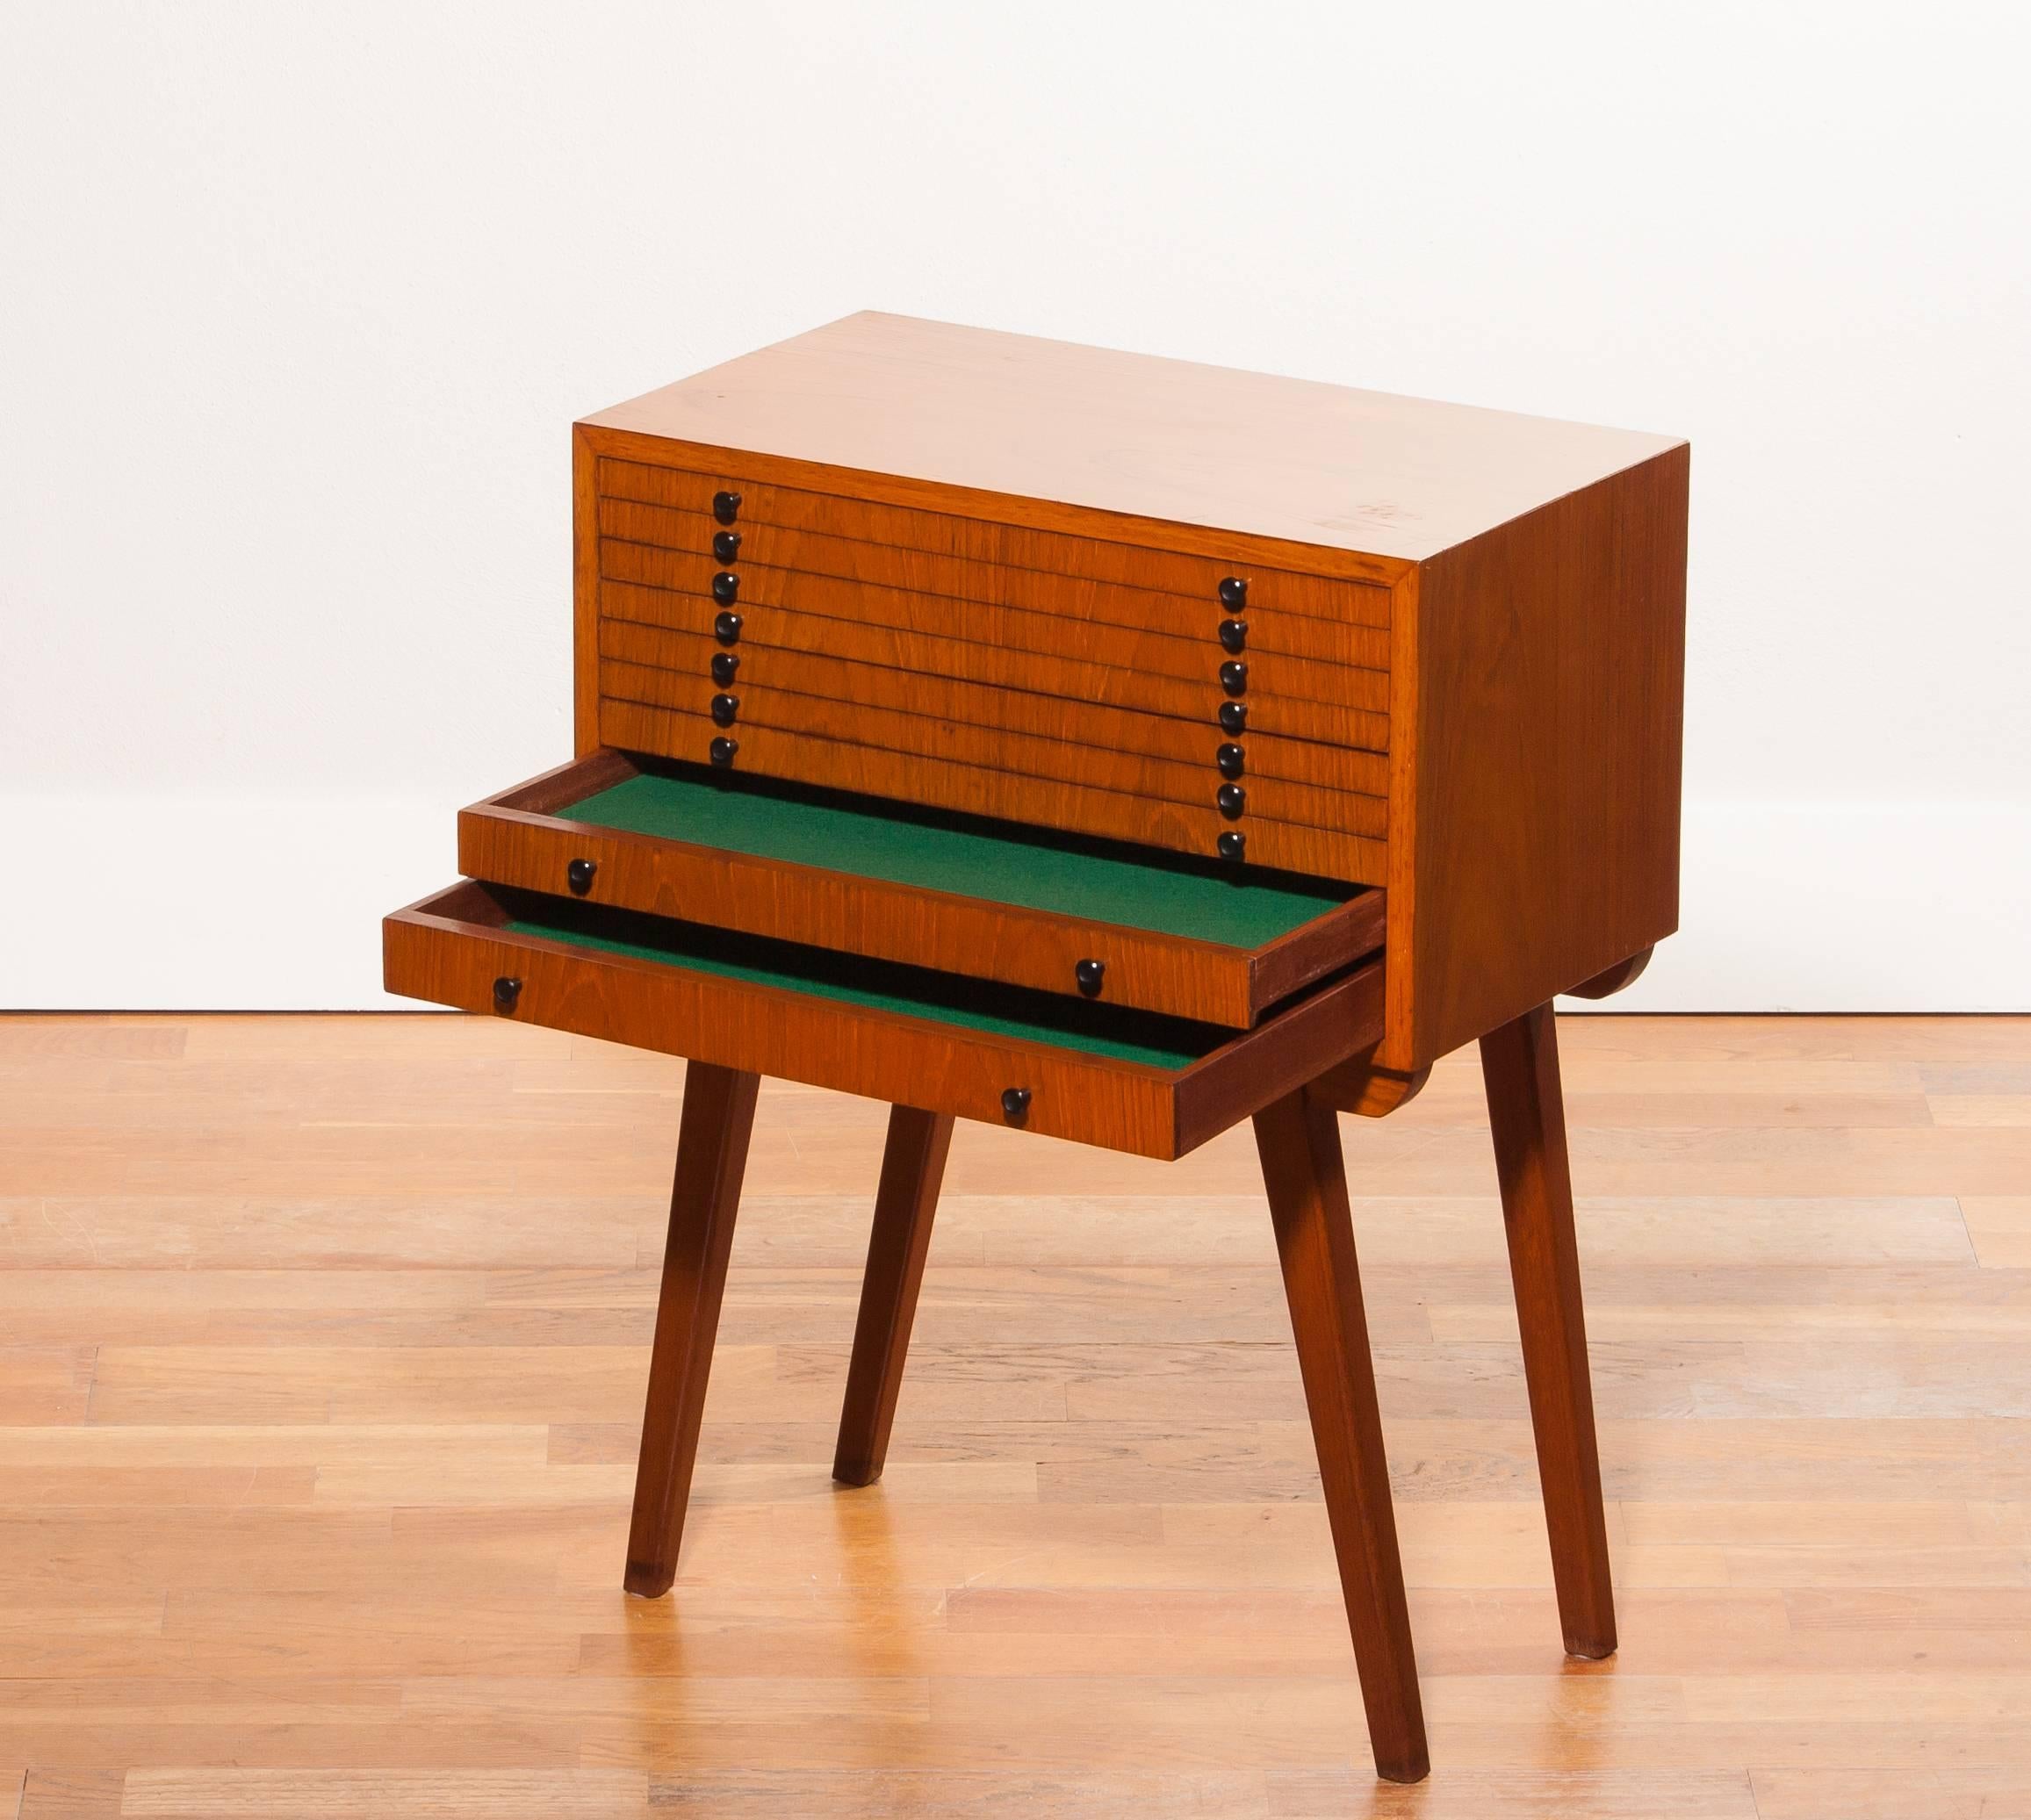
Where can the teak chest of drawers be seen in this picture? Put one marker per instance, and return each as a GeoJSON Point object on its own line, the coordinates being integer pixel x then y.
{"type": "Point", "coordinates": [1116, 749]}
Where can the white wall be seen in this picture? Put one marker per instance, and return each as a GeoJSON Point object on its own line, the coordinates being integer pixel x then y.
{"type": "Point", "coordinates": [296, 305]}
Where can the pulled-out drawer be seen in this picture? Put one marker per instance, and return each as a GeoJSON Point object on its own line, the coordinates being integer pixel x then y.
{"type": "Point", "coordinates": [1097, 1073]}
{"type": "Point", "coordinates": [1118, 925]}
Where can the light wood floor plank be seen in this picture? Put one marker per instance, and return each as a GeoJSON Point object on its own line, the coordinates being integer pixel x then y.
{"type": "Point", "coordinates": [321, 1355]}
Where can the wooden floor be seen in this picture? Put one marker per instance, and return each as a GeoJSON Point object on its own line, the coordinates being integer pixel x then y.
{"type": "Point", "coordinates": [323, 1346]}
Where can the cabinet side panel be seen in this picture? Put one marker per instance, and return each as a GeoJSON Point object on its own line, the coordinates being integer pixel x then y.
{"type": "Point", "coordinates": [585, 595]}
{"type": "Point", "coordinates": [1545, 783]}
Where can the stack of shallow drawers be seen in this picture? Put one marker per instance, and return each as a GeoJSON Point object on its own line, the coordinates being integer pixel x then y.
{"type": "Point", "coordinates": [1213, 708]}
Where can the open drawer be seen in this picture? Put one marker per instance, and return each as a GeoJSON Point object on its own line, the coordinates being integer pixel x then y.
{"type": "Point", "coordinates": [1125, 926]}
{"type": "Point", "coordinates": [1098, 1073]}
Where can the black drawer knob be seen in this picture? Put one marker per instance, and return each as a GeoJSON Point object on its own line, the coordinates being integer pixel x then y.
{"type": "Point", "coordinates": [506, 992]}
{"type": "Point", "coordinates": [726, 587]}
{"type": "Point", "coordinates": [1234, 716]}
{"type": "Point", "coordinates": [724, 665]}
{"type": "Point", "coordinates": [1233, 846]}
{"type": "Point", "coordinates": [1234, 592]}
{"type": "Point", "coordinates": [726, 545]}
{"type": "Point", "coordinates": [1234, 677]}
{"type": "Point", "coordinates": [1232, 800]}
{"type": "Point", "coordinates": [726, 629]}
{"type": "Point", "coordinates": [1231, 759]}
{"type": "Point", "coordinates": [726, 506]}
{"type": "Point", "coordinates": [1015, 1103]}
{"type": "Point", "coordinates": [725, 708]}
{"type": "Point", "coordinates": [578, 876]}
{"type": "Point", "coordinates": [721, 752]}
{"type": "Point", "coordinates": [1234, 634]}
{"type": "Point", "coordinates": [1089, 974]}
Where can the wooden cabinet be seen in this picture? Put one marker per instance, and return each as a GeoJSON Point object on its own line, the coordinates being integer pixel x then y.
{"type": "Point", "coordinates": [1439, 649]}
{"type": "Point", "coordinates": [1113, 749]}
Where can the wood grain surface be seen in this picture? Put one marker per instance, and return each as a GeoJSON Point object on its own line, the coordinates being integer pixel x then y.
{"type": "Point", "coordinates": [712, 1143]}
{"type": "Point", "coordinates": [1335, 807]}
{"type": "Point", "coordinates": [321, 1376]}
{"type": "Point", "coordinates": [1299, 1140]}
{"type": "Point", "coordinates": [1103, 711]}
{"type": "Point", "coordinates": [1537, 718]}
{"type": "Point", "coordinates": [1091, 441]}
{"type": "Point", "coordinates": [1158, 755]}
{"type": "Point", "coordinates": [1496, 601]}
{"type": "Point", "coordinates": [509, 841]}
{"type": "Point", "coordinates": [841, 577]}
{"type": "Point", "coordinates": [1116, 574]}
{"type": "Point", "coordinates": [1101, 662]}
{"type": "Point", "coordinates": [450, 949]}
{"type": "Point", "coordinates": [1010, 795]}
{"type": "Point", "coordinates": [906, 1206]}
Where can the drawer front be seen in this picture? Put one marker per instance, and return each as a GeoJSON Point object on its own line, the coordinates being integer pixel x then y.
{"type": "Point", "coordinates": [1121, 572]}
{"type": "Point", "coordinates": [1313, 742]}
{"type": "Point", "coordinates": [485, 951]}
{"type": "Point", "coordinates": [1193, 781]}
{"type": "Point", "coordinates": [1005, 795]}
{"type": "Point", "coordinates": [907, 615]}
{"type": "Point", "coordinates": [1065, 681]}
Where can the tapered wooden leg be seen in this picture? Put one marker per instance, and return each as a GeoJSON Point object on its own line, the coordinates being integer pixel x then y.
{"type": "Point", "coordinates": [912, 1166]}
{"type": "Point", "coordinates": [1527, 1114]}
{"type": "Point", "coordinates": [712, 1158]}
{"type": "Point", "coordinates": [1299, 1142]}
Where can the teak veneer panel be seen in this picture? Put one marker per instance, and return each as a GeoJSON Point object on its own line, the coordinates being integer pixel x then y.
{"type": "Point", "coordinates": [845, 578]}
{"type": "Point", "coordinates": [1006, 795]}
{"type": "Point", "coordinates": [1094, 442]}
{"type": "Point", "coordinates": [1534, 818]}
{"type": "Point", "coordinates": [1076, 733]}
{"type": "Point", "coordinates": [960, 638]}
{"type": "Point", "coordinates": [881, 587]}
{"type": "Point", "coordinates": [1359, 801]}
{"type": "Point", "coordinates": [1113, 571]}
{"type": "Point", "coordinates": [1096, 719]}
{"type": "Point", "coordinates": [451, 947]}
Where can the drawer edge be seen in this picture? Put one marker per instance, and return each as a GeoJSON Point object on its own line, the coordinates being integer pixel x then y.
{"type": "Point", "coordinates": [448, 949]}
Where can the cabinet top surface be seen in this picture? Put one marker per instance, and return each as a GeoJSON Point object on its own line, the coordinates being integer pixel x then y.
{"type": "Point", "coordinates": [1090, 428]}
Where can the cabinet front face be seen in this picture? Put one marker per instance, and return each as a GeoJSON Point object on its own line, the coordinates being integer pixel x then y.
{"type": "Point", "coordinates": [1210, 704]}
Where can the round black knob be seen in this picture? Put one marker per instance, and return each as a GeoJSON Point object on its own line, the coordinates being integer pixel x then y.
{"type": "Point", "coordinates": [1234, 634]}
{"type": "Point", "coordinates": [1234, 715]}
{"type": "Point", "coordinates": [1015, 1103]}
{"type": "Point", "coordinates": [578, 876]}
{"type": "Point", "coordinates": [1233, 846]}
{"type": "Point", "coordinates": [1089, 974]}
{"type": "Point", "coordinates": [721, 751]}
{"type": "Point", "coordinates": [726, 506]}
{"type": "Point", "coordinates": [1232, 800]}
{"type": "Point", "coordinates": [726, 629]}
{"type": "Point", "coordinates": [724, 709]}
{"type": "Point", "coordinates": [725, 546]}
{"type": "Point", "coordinates": [506, 992]}
{"type": "Point", "coordinates": [724, 665]}
{"type": "Point", "coordinates": [726, 587]}
{"type": "Point", "coordinates": [1231, 759]}
{"type": "Point", "coordinates": [1234, 677]}
{"type": "Point", "coordinates": [1234, 592]}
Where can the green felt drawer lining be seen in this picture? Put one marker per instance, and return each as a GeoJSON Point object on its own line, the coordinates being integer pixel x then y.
{"type": "Point", "coordinates": [1122, 1035]}
{"type": "Point", "coordinates": [1070, 877]}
